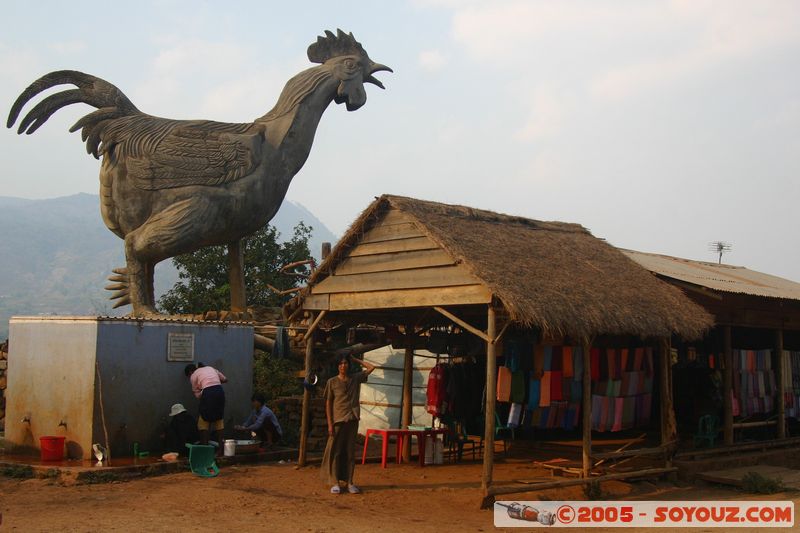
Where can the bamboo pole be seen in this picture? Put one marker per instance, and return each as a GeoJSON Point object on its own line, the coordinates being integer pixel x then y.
{"type": "Point", "coordinates": [304, 420]}
{"type": "Point", "coordinates": [781, 386]}
{"type": "Point", "coordinates": [408, 365]}
{"type": "Point", "coordinates": [515, 489]}
{"type": "Point", "coordinates": [102, 412]}
{"type": "Point", "coordinates": [727, 386]}
{"type": "Point", "coordinates": [236, 277]}
{"type": "Point", "coordinates": [462, 323]}
{"type": "Point", "coordinates": [587, 410]}
{"type": "Point", "coordinates": [314, 325]}
{"type": "Point", "coordinates": [491, 397]}
{"type": "Point", "coordinates": [668, 424]}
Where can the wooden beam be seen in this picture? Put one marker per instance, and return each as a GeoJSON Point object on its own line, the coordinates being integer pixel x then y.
{"type": "Point", "coordinates": [781, 361]}
{"type": "Point", "coordinates": [502, 332]}
{"type": "Point", "coordinates": [316, 302]}
{"type": "Point", "coordinates": [236, 277]}
{"type": "Point", "coordinates": [489, 407]}
{"type": "Point", "coordinates": [305, 416]}
{"type": "Point", "coordinates": [394, 261]}
{"type": "Point", "coordinates": [516, 489]}
{"type": "Point", "coordinates": [400, 245]}
{"type": "Point", "coordinates": [394, 299]}
{"type": "Point", "coordinates": [727, 386]}
{"type": "Point", "coordinates": [314, 325]}
{"type": "Point", "coordinates": [415, 278]}
{"type": "Point", "coordinates": [463, 324]}
{"type": "Point", "coordinates": [668, 424]}
{"type": "Point", "coordinates": [408, 377]}
{"type": "Point", "coordinates": [391, 232]}
{"type": "Point", "coordinates": [587, 410]}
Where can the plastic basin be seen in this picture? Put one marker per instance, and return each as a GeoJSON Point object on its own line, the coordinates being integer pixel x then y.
{"type": "Point", "coordinates": [52, 448]}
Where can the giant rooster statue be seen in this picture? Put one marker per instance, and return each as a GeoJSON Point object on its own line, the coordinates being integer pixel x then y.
{"type": "Point", "coordinates": [169, 187]}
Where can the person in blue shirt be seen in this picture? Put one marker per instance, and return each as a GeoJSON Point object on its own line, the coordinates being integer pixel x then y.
{"type": "Point", "coordinates": [262, 421]}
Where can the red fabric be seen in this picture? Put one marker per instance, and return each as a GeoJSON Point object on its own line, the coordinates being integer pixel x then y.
{"type": "Point", "coordinates": [595, 370]}
{"type": "Point", "coordinates": [436, 390]}
{"type": "Point", "coordinates": [555, 385]}
{"type": "Point", "coordinates": [566, 356]}
{"type": "Point", "coordinates": [503, 384]}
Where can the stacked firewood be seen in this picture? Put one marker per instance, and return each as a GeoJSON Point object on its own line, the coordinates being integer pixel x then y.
{"type": "Point", "coordinates": [290, 409]}
{"type": "Point", "coordinates": [3, 371]}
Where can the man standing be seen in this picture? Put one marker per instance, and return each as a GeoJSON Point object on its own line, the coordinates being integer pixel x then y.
{"type": "Point", "coordinates": [207, 386]}
{"type": "Point", "coordinates": [262, 421]}
{"type": "Point", "coordinates": [343, 411]}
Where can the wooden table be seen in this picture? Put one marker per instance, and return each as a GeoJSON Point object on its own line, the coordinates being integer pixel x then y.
{"type": "Point", "coordinates": [402, 435]}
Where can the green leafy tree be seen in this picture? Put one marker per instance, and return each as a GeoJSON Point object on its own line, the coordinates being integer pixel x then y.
{"type": "Point", "coordinates": [203, 283]}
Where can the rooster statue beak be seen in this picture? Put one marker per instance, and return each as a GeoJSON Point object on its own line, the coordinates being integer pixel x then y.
{"type": "Point", "coordinates": [376, 67]}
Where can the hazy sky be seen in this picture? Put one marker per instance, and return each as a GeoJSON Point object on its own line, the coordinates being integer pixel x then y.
{"type": "Point", "coordinates": [659, 125]}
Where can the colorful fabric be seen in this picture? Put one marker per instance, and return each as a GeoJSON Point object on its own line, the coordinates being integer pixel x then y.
{"type": "Point", "coordinates": [566, 357]}
{"type": "Point", "coordinates": [577, 363]}
{"type": "Point", "coordinates": [503, 384]}
{"type": "Point", "coordinates": [594, 369]}
{"type": "Point", "coordinates": [548, 358]}
{"type": "Point", "coordinates": [514, 415]}
{"type": "Point", "coordinates": [517, 394]}
{"type": "Point", "coordinates": [538, 361]}
{"type": "Point", "coordinates": [544, 395]}
{"type": "Point", "coordinates": [533, 394]}
{"type": "Point", "coordinates": [555, 385]}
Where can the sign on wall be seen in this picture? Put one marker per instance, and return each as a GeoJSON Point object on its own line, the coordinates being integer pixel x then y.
{"type": "Point", "coordinates": [180, 347]}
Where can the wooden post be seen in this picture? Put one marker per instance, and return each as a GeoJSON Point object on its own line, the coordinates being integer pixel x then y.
{"type": "Point", "coordinates": [781, 387]}
{"type": "Point", "coordinates": [587, 410]}
{"type": "Point", "coordinates": [304, 420]}
{"type": "Point", "coordinates": [668, 425]}
{"type": "Point", "coordinates": [326, 250]}
{"type": "Point", "coordinates": [408, 366]}
{"type": "Point", "coordinates": [236, 277]}
{"type": "Point", "coordinates": [727, 386]}
{"type": "Point", "coordinates": [489, 406]}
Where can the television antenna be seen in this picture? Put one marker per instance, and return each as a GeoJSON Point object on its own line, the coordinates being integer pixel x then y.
{"type": "Point", "coordinates": [720, 247]}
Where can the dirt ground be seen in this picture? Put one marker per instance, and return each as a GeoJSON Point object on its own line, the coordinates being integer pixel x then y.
{"type": "Point", "coordinates": [277, 497]}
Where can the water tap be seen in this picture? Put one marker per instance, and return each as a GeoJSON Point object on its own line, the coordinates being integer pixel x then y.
{"type": "Point", "coordinates": [62, 423]}
{"type": "Point", "coordinates": [27, 419]}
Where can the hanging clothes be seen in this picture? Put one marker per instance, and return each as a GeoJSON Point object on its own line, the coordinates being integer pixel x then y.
{"type": "Point", "coordinates": [517, 394]}
{"type": "Point", "coordinates": [503, 384]}
{"type": "Point", "coordinates": [435, 390]}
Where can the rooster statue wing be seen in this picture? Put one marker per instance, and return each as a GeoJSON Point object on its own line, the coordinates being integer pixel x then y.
{"type": "Point", "coordinates": [169, 187]}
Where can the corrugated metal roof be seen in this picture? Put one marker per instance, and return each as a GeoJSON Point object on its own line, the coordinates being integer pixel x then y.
{"type": "Point", "coordinates": [157, 319]}
{"type": "Point", "coordinates": [723, 278]}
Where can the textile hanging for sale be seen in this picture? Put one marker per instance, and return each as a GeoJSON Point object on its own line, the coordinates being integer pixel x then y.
{"type": "Point", "coordinates": [503, 384]}
{"type": "Point", "coordinates": [791, 384]}
{"type": "Point", "coordinates": [554, 395]}
{"type": "Point", "coordinates": [754, 382]}
{"type": "Point", "coordinates": [436, 390]}
{"type": "Point", "coordinates": [622, 394]}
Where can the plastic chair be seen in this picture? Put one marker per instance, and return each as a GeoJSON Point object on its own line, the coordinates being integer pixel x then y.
{"type": "Point", "coordinates": [202, 460]}
{"type": "Point", "coordinates": [707, 430]}
{"type": "Point", "coordinates": [458, 438]}
{"type": "Point", "coordinates": [501, 432]}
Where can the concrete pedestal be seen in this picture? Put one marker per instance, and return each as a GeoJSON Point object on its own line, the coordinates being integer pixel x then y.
{"type": "Point", "coordinates": [53, 383]}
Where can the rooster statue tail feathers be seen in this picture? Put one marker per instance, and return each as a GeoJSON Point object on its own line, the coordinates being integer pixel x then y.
{"type": "Point", "coordinates": [110, 102]}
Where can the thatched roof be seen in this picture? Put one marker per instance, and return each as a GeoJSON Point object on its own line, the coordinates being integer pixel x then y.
{"type": "Point", "coordinates": [550, 275]}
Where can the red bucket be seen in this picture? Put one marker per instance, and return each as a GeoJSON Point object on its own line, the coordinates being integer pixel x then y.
{"type": "Point", "coordinates": [52, 448]}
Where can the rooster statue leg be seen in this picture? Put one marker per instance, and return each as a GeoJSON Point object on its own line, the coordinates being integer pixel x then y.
{"type": "Point", "coordinates": [139, 276]}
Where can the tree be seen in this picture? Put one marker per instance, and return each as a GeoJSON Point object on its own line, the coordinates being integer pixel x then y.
{"type": "Point", "coordinates": [203, 275]}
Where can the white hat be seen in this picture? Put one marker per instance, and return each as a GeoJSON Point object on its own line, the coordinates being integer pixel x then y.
{"type": "Point", "coordinates": [177, 409]}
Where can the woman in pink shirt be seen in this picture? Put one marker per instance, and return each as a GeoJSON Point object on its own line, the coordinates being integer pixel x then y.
{"type": "Point", "coordinates": [207, 386]}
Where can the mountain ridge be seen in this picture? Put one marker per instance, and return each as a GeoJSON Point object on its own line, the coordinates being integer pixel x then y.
{"type": "Point", "coordinates": [56, 253]}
